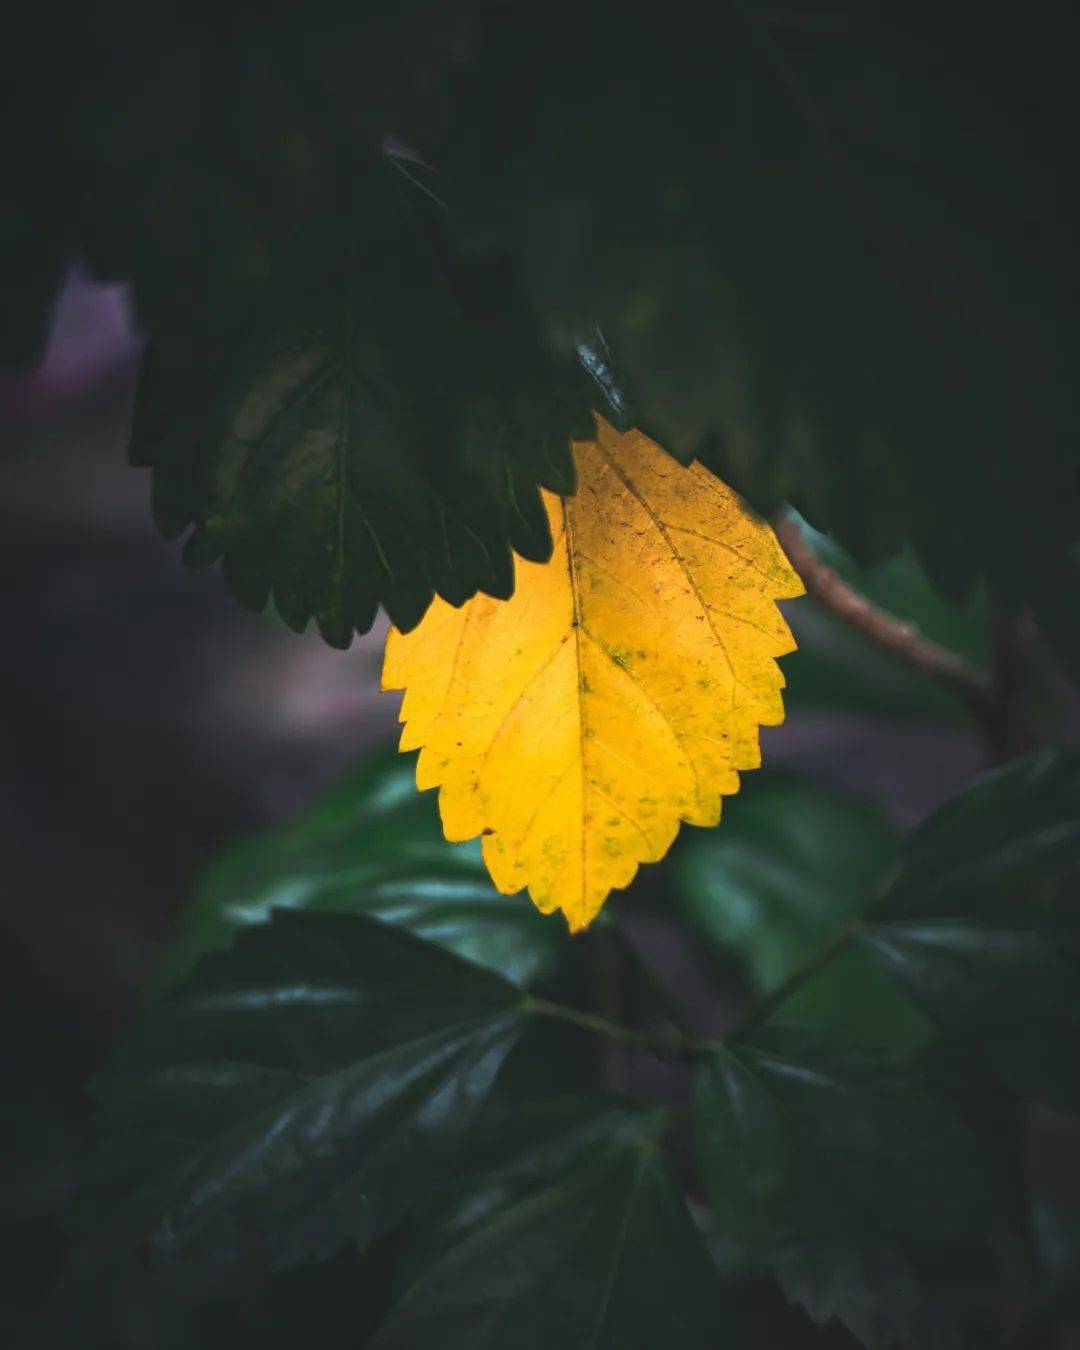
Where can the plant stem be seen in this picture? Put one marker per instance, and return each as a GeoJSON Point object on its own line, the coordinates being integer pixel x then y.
{"type": "Point", "coordinates": [886, 630]}
{"type": "Point", "coordinates": [765, 1007]}
{"type": "Point", "coordinates": [656, 986]}
{"type": "Point", "coordinates": [663, 1046]}
{"type": "Point", "coordinates": [609, 1005]}
{"type": "Point", "coordinates": [679, 1045]}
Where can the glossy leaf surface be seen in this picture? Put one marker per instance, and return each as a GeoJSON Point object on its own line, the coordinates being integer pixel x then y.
{"type": "Point", "coordinates": [593, 1250]}
{"type": "Point", "coordinates": [310, 1085]}
{"type": "Point", "coordinates": [373, 846]}
{"type": "Point", "coordinates": [981, 925]}
{"type": "Point", "coordinates": [867, 1197]}
{"type": "Point", "coordinates": [793, 864]}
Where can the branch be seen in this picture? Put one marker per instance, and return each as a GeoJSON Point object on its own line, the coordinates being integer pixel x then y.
{"type": "Point", "coordinates": [886, 630]}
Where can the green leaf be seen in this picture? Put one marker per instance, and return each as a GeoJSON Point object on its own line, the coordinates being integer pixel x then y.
{"type": "Point", "coordinates": [981, 925]}
{"type": "Point", "coordinates": [524, 1142]}
{"type": "Point", "coordinates": [1006, 993]}
{"type": "Point", "coordinates": [310, 1085]}
{"type": "Point", "coordinates": [811, 252]}
{"type": "Point", "coordinates": [792, 864]}
{"type": "Point", "coordinates": [373, 846]}
{"type": "Point", "coordinates": [1013, 835]}
{"type": "Point", "coordinates": [365, 423]}
{"type": "Point", "coordinates": [583, 1242]}
{"type": "Point", "coordinates": [344, 396]}
{"type": "Point", "coordinates": [867, 1197]}
{"type": "Point", "coordinates": [836, 668]}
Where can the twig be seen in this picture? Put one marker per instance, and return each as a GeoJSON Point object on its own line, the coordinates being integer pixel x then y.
{"type": "Point", "coordinates": [895, 635]}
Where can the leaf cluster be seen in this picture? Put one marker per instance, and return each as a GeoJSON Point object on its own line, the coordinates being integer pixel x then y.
{"type": "Point", "coordinates": [387, 256]}
{"type": "Point", "coordinates": [361, 1060]}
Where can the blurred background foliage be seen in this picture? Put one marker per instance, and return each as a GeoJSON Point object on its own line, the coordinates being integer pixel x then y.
{"type": "Point", "coordinates": [387, 262]}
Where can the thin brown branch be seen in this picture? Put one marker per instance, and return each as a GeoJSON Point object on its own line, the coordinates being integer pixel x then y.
{"type": "Point", "coordinates": [886, 630]}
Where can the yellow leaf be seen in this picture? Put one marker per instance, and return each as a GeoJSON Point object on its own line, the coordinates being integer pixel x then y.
{"type": "Point", "coordinates": [616, 693]}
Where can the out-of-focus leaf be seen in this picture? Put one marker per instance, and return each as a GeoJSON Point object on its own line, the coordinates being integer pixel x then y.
{"type": "Point", "coordinates": [309, 1086]}
{"type": "Point", "coordinates": [583, 1242]}
{"type": "Point", "coordinates": [867, 1197]}
{"type": "Point", "coordinates": [791, 865]}
{"type": "Point", "coordinates": [373, 846]}
{"type": "Point", "coordinates": [981, 925]}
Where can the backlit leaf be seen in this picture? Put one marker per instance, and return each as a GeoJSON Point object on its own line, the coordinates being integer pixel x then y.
{"type": "Point", "coordinates": [617, 693]}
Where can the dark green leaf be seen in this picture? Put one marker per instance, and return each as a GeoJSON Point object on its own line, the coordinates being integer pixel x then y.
{"type": "Point", "coordinates": [791, 864]}
{"type": "Point", "coordinates": [374, 846]}
{"type": "Point", "coordinates": [981, 925]}
{"type": "Point", "coordinates": [366, 422]}
{"type": "Point", "coordinates": [583, 1242]}
{"type": "Point", "coordinates": [1007, 994]}
{"type": "Point", "coordinates": [523, 1143]}
{"type": "Point", "coordinates": [1013, 834]}
{"type": "Point", "coordinates": [821, 250]}
{"type": "Point", "coordinates": [310, 1085]}
{"type": "Point", "coordinates": [841, 1172]}
{"type": "Point", "coordinates": [344, 394]}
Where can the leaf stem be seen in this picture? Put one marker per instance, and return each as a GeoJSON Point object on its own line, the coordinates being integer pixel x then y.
{"type": "Point", "coordinates": [663, 1045]}
{"type": "Point", "coordinates": [674, 1043]}
{"type": "Point", "coordinates": [609, 1005]}
{"type": "Point", "coordinates": [765, 1007]}
{"type": "Point", "coordinates": [663, 995]}
{"type": "Point", "coordinates": [886, 630]}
